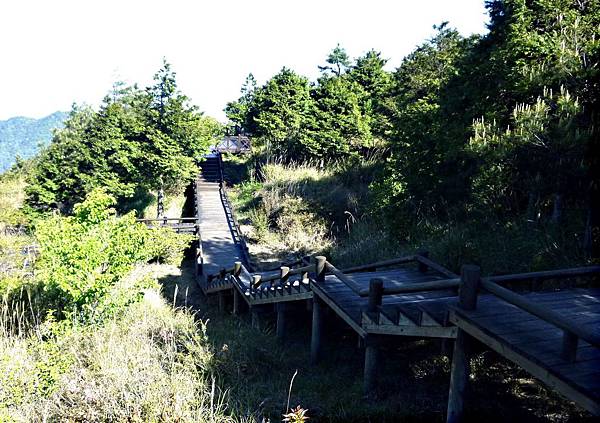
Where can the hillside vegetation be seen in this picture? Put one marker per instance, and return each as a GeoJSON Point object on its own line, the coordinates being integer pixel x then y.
{"type": "Point", "coordinates": [483, 149]}
{"type": "Point", "coordinates": [23, 137]}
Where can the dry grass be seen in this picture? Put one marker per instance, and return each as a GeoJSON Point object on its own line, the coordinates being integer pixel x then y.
{"type": "Point", "coordinates": [149, 363]}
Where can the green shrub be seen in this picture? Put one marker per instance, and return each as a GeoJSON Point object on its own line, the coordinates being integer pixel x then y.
{"type": "Point", "coordinates": [83, 256]}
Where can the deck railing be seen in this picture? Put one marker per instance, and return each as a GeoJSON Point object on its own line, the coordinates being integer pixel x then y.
{"type": "Point", "coordinates": [470, 282]}
{"type": "Point", "coordinates": [230, 213]}
{"type": "Point", "coordinates": [272, 277]}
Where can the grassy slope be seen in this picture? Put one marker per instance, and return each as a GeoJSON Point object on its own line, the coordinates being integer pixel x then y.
{"type": "Point", "coordinates": [307, 209]}
{"type": "Point", "coordinates": [149, 363]}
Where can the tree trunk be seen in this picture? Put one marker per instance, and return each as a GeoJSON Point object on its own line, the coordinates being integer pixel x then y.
{"type": "Point", "coordinates": [591, 238]}
{"type": "Point", "coordinates": [160, 200]}
{"type": "Point", "coordinates": [558, 208]}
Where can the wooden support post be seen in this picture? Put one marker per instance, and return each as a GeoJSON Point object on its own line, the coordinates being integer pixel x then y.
{"type": "Point", "coordinates": [569, 346]}
{"type": "Point", "coordinates": [255, 319]}
{"type": "Point", "coordinates": [199, 268]}
{"type": "Point", "coordinates": [375, 294]}
{"type": "Point", "coordinates": [371, 349]}
{"type": "Point", "coordinates": [237, 302]}
{"type": "Point", "coordinates": [256, 280]}
{"type": "Point", "coordinates": [320, 268]}
{"type": "Point", "coordinates": [422, 266]}
{"type": "Point", "coordinates": [360, 342]}
{"type": "Point", "coordinates": [459, 372]}
{"type": "Point", "coordinates": [371, 367]}
{"type": "Point", "coordinates": [222, 273]}
{"type": "Point", "coordinates": [281, 312]}
{"type": "Point", "coordinates": [221, 301]}
{"type": "Point", "coordinates": [317, 328]}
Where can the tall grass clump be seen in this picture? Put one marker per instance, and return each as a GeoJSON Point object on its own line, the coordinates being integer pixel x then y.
{"type": "Point", "coordinates": [149, 362]}
{"type": "Point", "coordinates": [305, 208]}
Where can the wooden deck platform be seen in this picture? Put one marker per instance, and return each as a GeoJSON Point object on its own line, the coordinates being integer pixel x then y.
{"type": "Point", "coordinates": [535, 345]}
{"type": "Point", "coordinates": [423, 314]}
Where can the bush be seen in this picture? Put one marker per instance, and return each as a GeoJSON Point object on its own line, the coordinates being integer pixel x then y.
{"type": "Point", "coordinates": [83, 256]}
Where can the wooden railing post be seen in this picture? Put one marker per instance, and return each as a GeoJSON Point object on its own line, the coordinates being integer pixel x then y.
{"type": "Point", "coordinates": [375, 294]}
{"type": "Point", "coordinates": [459, 372]}
{"type": "Point", "coordinates": [422, 266]}
{"type": "Point", "coordinates": [237, 268]}
{"type": "Point", "coordinates": [320, 268]}
{"type": "Point", "coordinates": [256, 281]}
{"type": "Point", "coordinates": [284, 274]}
{"type": "Point", "coordinates": [222, 273]}
{"type": "Point", "coordinates": [470, 277]}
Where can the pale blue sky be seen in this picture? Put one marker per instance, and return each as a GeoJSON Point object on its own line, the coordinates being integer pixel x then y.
{"type": "Point", "coordinates": [58, 52]}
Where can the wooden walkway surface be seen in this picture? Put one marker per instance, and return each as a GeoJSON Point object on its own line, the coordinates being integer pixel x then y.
{"type": "Point", "coordinates": [536, 345]}
{"type": "Point", "coordinates": [219, 248]}
{"type": "Point", "coordinates": [555, 336]}
{"type": "Point", "coordinates": [423, 314]}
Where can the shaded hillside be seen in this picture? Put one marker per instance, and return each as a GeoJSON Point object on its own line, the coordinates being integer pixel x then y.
{"type": "Point", "coordinates": [23, 136]}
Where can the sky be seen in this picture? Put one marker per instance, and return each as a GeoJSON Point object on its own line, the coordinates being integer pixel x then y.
{"type": "Point", "coordinates": [55, 53]}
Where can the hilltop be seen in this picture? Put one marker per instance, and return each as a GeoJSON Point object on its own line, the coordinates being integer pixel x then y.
{"type": "Point", "coordinates": [23, 136]}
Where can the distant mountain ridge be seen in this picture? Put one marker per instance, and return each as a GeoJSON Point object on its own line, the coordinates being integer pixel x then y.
{"type": "Point", "coordinates": [23, 137]}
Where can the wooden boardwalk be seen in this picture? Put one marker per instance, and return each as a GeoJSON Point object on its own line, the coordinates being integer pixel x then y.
{"type": "Point", "coordinates": [422, 314]}
{"type": "Point", "coordinates": [537, 345]}
{"type": "Point", "coordinates": [555, 335]}
{"type": "Point", "coordinates": [218, 243]}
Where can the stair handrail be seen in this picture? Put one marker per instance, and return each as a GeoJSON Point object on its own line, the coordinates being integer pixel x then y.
{"type": "Point", "coordinates": [471, 284]}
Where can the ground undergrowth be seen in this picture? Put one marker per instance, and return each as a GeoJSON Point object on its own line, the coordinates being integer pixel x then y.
{"type": "Point", "coordinates": [289, 210]}
{"type": "Point", "coordinates": [255, 372]}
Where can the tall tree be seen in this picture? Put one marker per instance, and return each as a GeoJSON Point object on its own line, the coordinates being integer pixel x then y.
{"type": "Point", "coordinates": [337, 61]}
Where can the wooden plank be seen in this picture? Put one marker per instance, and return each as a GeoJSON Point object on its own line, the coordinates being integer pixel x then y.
{"type": "Point", "coordinates": [412, 331]}
{"type": "Point", "coordinates": [567, 388]}
{"type": "Point", "coordinates": [354, 324]}
{"type": "Point", "coordinates": [281, 299]}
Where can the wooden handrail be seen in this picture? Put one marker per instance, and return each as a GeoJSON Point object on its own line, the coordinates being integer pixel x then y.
{"type": "Point", "coordinates": [291, 272]}
{"type": "Point", "coordinates": [227, 204]}
{"type": "Point", "coordinates": [547, 274]}
{"type": "Point", "coordinates": [541, 312]}
{"type": "Point", "coordinates": [384, 263]}
{"type": "Point", "coordinates": [167, 219]}
{"type": "Point", "coordinates": [435, 266]}
{"type": "Point", "coordinates": [344, 278]}
{"type": "Point", "coordinates": [455, 282]}
{"type": "Point", "coordinates": [416, 287]}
